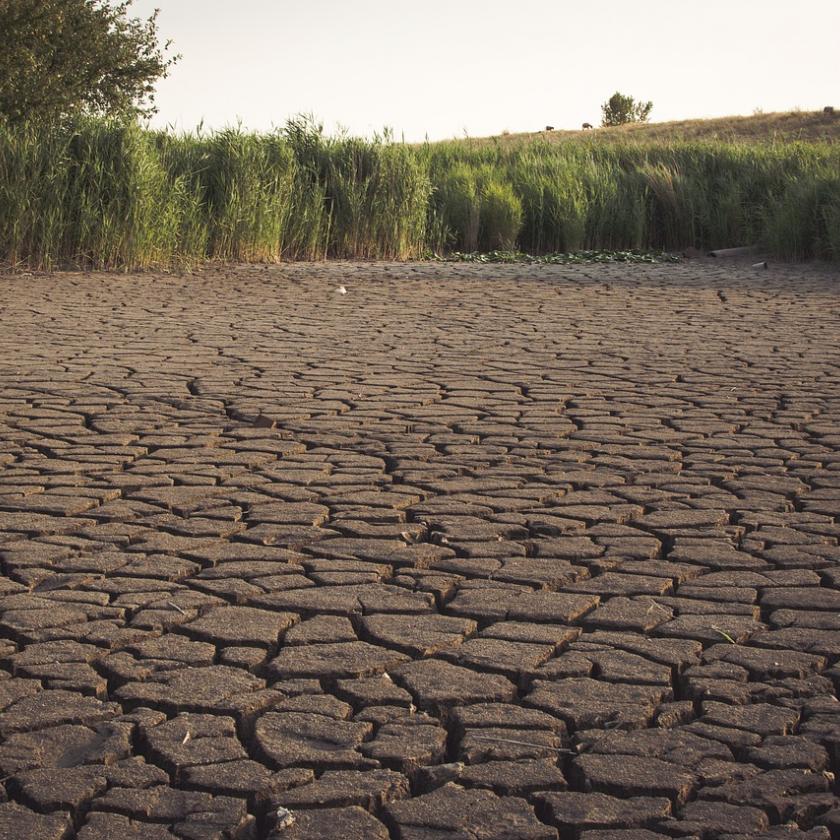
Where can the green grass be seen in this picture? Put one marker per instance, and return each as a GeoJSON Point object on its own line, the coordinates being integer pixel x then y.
{"type": "Point", "coordinates": [110, 195]}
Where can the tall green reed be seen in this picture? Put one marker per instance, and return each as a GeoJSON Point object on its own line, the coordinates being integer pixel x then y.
{"type": "Point", "coordinates": [104, 194]}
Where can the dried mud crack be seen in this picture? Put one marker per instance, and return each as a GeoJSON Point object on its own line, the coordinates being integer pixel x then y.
{"type": "Point", "coordinates": [468, 552]}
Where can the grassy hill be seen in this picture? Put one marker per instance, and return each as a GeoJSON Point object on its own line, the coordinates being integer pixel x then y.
{"type": "Point", "coordinates": [783, 127]}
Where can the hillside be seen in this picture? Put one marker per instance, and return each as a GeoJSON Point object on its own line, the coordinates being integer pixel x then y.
{"type": "Point", "coordinates": [807, 126]}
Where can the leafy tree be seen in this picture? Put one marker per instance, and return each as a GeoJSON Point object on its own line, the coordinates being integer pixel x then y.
{"type": "Point", "coordinates": [66, 57]}
{"type": "Point", "coordinates": [620, 110]}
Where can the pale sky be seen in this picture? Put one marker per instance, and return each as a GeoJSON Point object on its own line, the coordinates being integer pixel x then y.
{"type": "Point", "coordinates": [446, 68]}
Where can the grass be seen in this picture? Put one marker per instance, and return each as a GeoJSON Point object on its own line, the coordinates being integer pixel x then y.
{"type": "Point", "coordinates": [108, 195]}
{"type": "Point", "coordinates": [782, 127]}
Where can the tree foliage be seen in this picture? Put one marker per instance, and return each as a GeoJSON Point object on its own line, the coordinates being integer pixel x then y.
{"type": "Point", "coordinates": [620, 110]}
{"type": "Point", "coordinates": [66, 57]}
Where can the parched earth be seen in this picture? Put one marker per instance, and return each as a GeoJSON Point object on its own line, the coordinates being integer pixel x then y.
{"type": "Point", "coordinates": [464, 553]}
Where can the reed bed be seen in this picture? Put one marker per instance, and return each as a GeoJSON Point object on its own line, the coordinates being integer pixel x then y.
{"type": "Point", "coordinates": [102, 194]}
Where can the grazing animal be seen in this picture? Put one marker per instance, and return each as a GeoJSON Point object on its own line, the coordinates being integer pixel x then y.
{"type": "Point", "coordinates": [549, 128]}
{"type": "Point", "coordinates": [587, 126]}
{"type": "Point", "coordinates": [829, 110]}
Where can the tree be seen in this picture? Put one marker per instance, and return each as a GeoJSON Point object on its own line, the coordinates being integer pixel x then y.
{"type": "Point", "coordinates": [620, 110]}
{"type": "Point", "coordinates": [66, 57]}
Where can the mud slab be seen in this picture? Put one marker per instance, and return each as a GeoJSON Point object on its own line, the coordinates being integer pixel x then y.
{"type": "Point", "coordinates": [457, 552]}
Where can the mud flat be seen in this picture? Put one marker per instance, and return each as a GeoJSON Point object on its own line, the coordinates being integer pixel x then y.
{"type": "Point", "coordinates": [463, 551]}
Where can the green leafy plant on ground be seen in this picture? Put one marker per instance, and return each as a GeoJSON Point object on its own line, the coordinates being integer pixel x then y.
{"type": "Point", "coordinates": [571, 258]}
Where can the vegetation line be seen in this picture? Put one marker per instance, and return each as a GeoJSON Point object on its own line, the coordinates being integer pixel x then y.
{"type": "Point", "coordinates": [599, 256]}
{"type": "Point", "coordinates": [109, 194]}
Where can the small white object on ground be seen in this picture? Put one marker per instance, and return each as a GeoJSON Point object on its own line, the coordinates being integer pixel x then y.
{"type": "Point", "coordinates": [762, 264]}
{"type": "Point", "coordinates": [285, 819]}
{"type": "Point", "coordinates": [341, 290]}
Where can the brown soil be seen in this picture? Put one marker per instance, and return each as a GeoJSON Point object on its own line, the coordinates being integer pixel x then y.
{"type": "Point", "coordinates": [466, 551]}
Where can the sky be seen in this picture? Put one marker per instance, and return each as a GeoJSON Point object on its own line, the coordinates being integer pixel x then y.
{"type": "Point", "coordinates": [455, 68]}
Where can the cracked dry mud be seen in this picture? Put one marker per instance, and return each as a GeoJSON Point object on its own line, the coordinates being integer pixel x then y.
{"type": "Point", "coordinates": [469, 552]}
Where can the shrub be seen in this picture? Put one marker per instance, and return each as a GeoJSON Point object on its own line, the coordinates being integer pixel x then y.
{"type": "Point", "coordinates": [620, 110]}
